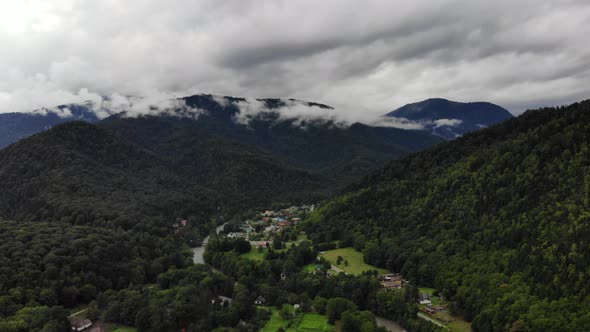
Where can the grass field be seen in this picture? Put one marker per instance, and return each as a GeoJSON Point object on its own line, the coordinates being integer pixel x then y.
{"type": "Point", "coordinates": [460, 326]}
{"type": "Point", "coordinates": [254, 254]}
{"type": "Point", "coordinates": [355, 261]}
{"type": "Point", "coordinates": [303, 323]}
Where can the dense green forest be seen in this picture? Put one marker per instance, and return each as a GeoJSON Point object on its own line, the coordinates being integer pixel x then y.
{"type": "Point", "coordinates": [45, 267]}
{"type": "Point", "coordinates": [242, 174]}
{"type": "Point", "coordinates": [498, 221]}
{"type": "Point", "coordinates": [79, 173]}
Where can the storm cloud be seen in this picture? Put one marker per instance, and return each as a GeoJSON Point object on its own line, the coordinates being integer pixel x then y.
{"type": "Point", "coordinates": [363, 58]}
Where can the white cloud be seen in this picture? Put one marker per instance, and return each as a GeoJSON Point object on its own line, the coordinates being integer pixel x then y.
{"type": "Point", "coordinates": [365, 58]}
{"type": "Point", "coordinates": [447, 122]}
{"type": "Point", "coordinates": [394, 122]}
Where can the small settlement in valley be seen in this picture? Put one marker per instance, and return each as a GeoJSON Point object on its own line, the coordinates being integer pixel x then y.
{"type": "Point", "coordinates": [266, 229]}
{"type": "Point", "coordinates": [278, 229]}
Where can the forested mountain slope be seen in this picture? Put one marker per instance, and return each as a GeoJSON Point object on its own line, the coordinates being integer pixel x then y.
{"type": "Point", "coordinates": [81, 173]}
{"type": "Point", "coordinates": [498, 221]}
{"type": "Point", "coordinates": [342, 152]}
{"type": "Point", "coordinates": [239, 172]}
{"type": "Point", "coordinates": [303, 134]}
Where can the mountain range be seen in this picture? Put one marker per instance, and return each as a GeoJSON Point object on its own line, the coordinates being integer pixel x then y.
{"type": "Point", "coordinates": [195, 161]}
{"type": "Point", "coordinates": [440, 117]}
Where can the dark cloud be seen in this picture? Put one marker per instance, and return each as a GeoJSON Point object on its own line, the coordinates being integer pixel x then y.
{"type": "Point", "coordinates": [364, 58]}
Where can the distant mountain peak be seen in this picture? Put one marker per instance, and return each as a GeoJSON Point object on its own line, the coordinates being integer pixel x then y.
{"type": "Point", "coordinates": [450, 119]}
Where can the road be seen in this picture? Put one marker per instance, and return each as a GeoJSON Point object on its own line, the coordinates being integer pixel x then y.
{"type": "Point", "coordinates": [79, 312]}
{"type": "Point", "coordinates": [426, 317]}
{"type": "Point", "coordinates": [199, 251]}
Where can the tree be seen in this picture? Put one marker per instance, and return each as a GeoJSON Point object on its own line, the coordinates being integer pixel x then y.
{"type": "Point", "coordinates": [69, 295]}
{"type": "Point", "coordinates": [336, 306]}
{"type": "Point", "coordinates": [319, 305]}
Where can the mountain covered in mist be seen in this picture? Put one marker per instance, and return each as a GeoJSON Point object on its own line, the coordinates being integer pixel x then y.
{"type": "Point", "coordinates": [306, 134]}
{"type": "Point", "coordinates": [295, 131]}
{"type": "Point", "coordinates": [497, 221]}
{"type": "Point", "coordinates": [451, 119]}
{"type": "Point", "coordinates": [198, 160]}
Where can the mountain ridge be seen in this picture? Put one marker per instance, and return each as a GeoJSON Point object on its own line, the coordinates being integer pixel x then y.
{"type": "Point", "coordinates": [451, 119]}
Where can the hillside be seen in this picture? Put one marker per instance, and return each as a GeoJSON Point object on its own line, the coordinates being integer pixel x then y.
{"type": "Point", "coordinates": [84, 174]}
{"type": "Point", "coordinates": [79, 173]}
{"type": "Point", "coordinates": [451, 119]}
{"type": "Point", "coordinates": [496, 220]}
{"type": "Point", "coordinates": [240, 172]}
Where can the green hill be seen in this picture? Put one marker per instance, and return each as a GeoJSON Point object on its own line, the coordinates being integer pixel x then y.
{"type": "Point", "coordinates": [83, 174]}
{"type": "Point", "coordinates": [498, 221]}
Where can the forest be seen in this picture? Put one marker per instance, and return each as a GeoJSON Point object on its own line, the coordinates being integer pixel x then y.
{"type": "Point", "coordinates": [498, 221]}
{"type": "Point", "coordinates": [48, 266]}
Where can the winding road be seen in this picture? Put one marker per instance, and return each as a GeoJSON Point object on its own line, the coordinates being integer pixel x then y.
{"type": "Point", "coordinates": [199, 251]}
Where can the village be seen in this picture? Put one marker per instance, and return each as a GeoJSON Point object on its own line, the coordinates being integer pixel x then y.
{"type": "Point", "coordinates": [277, 230]}
{"type": "Point", "coordinates": [262, 230]}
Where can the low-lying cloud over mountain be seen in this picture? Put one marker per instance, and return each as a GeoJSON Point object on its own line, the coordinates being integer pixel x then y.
{"type": "Point", "coordinates": [357, 58]}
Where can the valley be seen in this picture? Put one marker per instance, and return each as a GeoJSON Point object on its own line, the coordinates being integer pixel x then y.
{"type": "Point", "coordinates": [294, 166]}
{"type": "Point", "coordinates": [118, 219]}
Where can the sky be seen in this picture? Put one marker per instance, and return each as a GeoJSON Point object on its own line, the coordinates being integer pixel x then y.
{"type": "Point", "coordinates": [365, 58]}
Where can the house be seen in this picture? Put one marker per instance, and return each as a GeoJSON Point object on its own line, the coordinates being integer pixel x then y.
{"type": "Point", "coordinates": [424, 299]}
{"type": "Point", "coordinates": [247, 228]}
{"type": "Point", "coordinates": [79, 323]}
{"type": "Point", "coordinates": [271, 229]}
{"type": "Point", "coordinates": [266, 219]}
{"type": "Point", "coordinates": [296, 220]}
{"type": "Point", "coordinates": [389, 277]}
{"type": "Point", "coordinates": [183, 222]}
{"type": "Point", "coordinates": [260, 300]}
{"type": "Point", "coordinates": [430, 310]}
{"type": "Point", "coordinates": [392, 281]}
{"type": "Point", "coordinates": [283, 223]}
{"type": "Point", "coordinates": [392, 284]}
{"type": "Point", "coordinates": [442, 307]}
{"type": "Point", "coordinates": [260, 244]}
{"type": "Point", "coordinates": [234, 235]}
